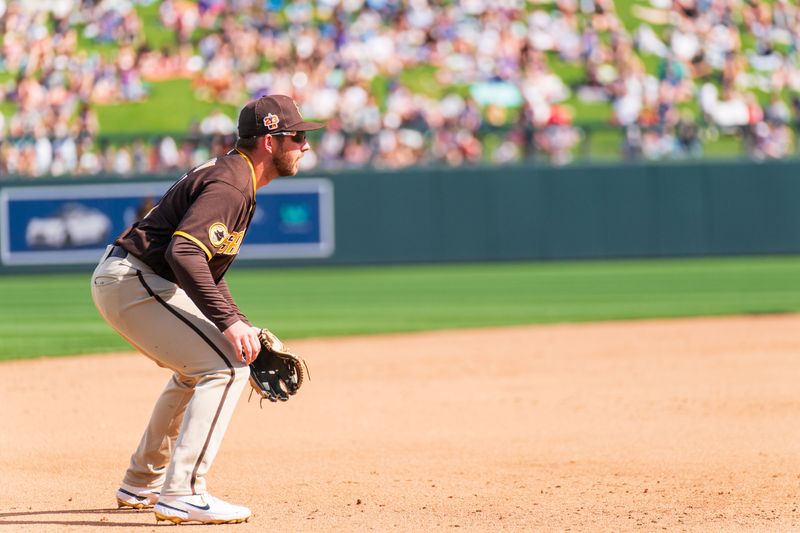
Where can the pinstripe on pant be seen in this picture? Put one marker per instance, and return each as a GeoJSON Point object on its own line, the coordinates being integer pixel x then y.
{"type": "Point", "coordinates": [191, 415]}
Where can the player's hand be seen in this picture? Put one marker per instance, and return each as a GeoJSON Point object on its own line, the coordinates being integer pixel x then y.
{"type": "Point", "coordinates": [245, 341]}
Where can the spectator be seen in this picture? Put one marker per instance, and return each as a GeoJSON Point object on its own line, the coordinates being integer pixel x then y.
{"type": "Point", "coordinates": [332, 57]}
{"type": "Point", "coordinates": [777, 111]}
{"type": "Point", "coordinates": [687, 136]}
{"type": "Point", "coordinates": [217, 123]}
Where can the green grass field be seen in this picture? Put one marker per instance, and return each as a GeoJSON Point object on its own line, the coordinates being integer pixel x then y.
{"type": "Point", "coordinates": [54, 315]}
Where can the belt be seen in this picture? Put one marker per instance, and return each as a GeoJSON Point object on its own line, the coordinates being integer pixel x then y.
{"type": "Point", "coordinates": [118, 251]}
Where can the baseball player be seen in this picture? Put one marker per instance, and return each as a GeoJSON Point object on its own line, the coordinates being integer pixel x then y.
{"type": "Point", "coordinates": [161, 286]}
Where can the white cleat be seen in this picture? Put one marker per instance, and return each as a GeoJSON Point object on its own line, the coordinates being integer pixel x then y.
{"type": "Point", "coordinates": [136, 497]}
{"type": "Point", "coordinates": [203, 508]}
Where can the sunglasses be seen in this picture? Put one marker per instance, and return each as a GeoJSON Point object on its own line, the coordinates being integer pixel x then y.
{"type": "Point", "coordinates": [298, 137]}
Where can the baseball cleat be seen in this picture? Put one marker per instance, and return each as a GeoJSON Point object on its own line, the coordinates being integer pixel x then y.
{"type": "Point", "coordinates": [136, 497]}
{"type": "Point", "coordinates": [203, 508]}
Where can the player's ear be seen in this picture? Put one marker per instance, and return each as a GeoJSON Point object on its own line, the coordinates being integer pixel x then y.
{"type": "Point", "coordinates": [267, 143]}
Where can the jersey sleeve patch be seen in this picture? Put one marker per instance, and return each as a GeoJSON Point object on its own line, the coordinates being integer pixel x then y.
{"type": "Point", "coordinates": [224, 241]}
{"type": "Point", "coordinates": [217, 233]}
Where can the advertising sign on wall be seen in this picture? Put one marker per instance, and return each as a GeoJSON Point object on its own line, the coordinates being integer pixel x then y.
{"type": "Point", "coordinates": [69, 224]}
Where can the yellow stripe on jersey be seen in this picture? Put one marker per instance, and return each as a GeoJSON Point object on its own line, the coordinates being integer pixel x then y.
{"type": "Point", "coordinates": [252, 171]}
{"type": "Point", "coordinates": [252, 176]}
{"type": "Point", "coordinates": [194, 240]}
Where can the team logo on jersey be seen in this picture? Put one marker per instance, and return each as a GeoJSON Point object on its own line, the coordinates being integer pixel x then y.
{"type": "Point", "coordinates": [231, 244]}
{"type": "Point", "coordinates": [271, 121]}
{"type": "Point", "coordinates": [217, 234]}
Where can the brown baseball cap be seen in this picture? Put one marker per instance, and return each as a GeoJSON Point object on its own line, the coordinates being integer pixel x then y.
{"type": "Point", "coordinates": [273, 113]}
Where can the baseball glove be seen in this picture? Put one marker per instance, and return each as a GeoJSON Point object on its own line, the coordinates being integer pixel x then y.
{"type": "Point", "coordinates": [276, 373]}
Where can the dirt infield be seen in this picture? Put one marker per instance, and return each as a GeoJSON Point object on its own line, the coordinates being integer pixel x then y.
{"type": "Point", "coordinates": [658, 425]}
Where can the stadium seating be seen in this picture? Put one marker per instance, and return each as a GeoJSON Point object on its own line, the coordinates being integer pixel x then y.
{"type": "Point", "coordinates": [400, 83]}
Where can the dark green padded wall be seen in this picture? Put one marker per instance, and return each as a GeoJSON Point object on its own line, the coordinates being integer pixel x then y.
{"type": "Point", "coordinates": [530, 213]}
{"type": "Point", "coordinates": [561, 213]}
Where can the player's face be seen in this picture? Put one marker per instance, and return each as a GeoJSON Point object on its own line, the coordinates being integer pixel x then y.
{"type": "Point", "coordinates": [290, 149]}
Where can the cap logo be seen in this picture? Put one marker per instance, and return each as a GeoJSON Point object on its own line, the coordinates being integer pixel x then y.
{"type": "Point", "coordinates": [271, 121]}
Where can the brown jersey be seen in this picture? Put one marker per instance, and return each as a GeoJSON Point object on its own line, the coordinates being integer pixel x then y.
{"type": "Point", "coordinates": [194, 233]}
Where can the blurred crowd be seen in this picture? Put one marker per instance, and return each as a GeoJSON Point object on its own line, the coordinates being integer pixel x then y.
{"type": "Point", "coordinates": [403, 83]}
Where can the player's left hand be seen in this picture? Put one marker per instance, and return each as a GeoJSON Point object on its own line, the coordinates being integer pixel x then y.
{"type": "Point", "coordinates": [277, 373]}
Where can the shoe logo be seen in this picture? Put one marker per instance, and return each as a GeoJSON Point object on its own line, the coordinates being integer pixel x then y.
{"type": "Point", "coordinates": [206, 507]}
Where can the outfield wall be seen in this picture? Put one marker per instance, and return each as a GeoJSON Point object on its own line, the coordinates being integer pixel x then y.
{"type": "Point", "coordinates": [537, 213]}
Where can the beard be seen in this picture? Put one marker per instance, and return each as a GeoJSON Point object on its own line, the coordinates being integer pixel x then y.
{"type": "Point", "coordinates": [284, 164]}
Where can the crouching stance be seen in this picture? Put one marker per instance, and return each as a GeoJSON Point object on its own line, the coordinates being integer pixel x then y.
{"type": "Point", "coordinates": [161, 286]}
